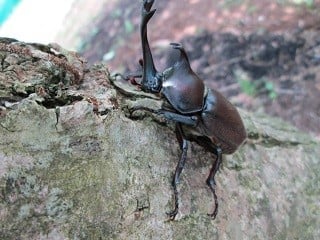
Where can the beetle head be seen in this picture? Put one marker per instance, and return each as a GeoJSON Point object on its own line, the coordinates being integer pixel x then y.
{"type": "Point", "coordinates": [152, 82]}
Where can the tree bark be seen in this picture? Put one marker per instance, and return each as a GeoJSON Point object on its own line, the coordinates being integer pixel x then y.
{"type": "Point", "coordinates": [73, 165]}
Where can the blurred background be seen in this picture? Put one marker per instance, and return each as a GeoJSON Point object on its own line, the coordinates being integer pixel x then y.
{"type": "Point", "coordinates": [264, 55]}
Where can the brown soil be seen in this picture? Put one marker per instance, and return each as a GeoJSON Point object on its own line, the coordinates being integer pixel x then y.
{"type": "Point", "coordinates": [263, 55]}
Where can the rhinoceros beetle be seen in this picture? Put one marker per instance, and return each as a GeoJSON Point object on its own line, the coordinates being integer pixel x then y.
{"type": "Point", "coordinates": [202, 115]}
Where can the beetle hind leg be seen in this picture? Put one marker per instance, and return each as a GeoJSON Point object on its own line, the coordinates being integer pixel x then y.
{"type": "Point", "coordinates": [212, 183]}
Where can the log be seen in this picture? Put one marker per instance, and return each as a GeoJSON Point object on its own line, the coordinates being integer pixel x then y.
{"type": "Point", "coordinates": [75, 165]}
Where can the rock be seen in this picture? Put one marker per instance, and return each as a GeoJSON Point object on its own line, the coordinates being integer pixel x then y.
{"type": "Point", "coordinates": [82, 169]}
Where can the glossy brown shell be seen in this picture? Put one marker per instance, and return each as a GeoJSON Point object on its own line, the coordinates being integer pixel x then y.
{"type": "Point", "coordinates": [184, 90]}
{"type": "Point", "coordinates": [221, 123]}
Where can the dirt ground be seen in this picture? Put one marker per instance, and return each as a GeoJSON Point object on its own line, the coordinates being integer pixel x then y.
{"type": "Point", "coordinates": [263, 55]}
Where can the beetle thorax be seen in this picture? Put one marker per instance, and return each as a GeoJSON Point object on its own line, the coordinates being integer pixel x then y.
{"type": "Point", "coordinates": [184, 91]}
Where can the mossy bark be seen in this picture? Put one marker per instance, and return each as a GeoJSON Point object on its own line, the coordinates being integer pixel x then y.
{"type": "Point", "coordinates": [74, 166]}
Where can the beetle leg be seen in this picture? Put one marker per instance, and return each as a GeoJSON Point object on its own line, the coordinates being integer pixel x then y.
{"type": "Point", "coordinates": [188, 120]}
{"type": "Point", "coordinates": [131, 77]}
{"type": "Point", "coordinates": [212, 183]}
{"type": "Point", "coordinates": [127, 77]}
{"type": "Point", "coordinates": [176, 178]}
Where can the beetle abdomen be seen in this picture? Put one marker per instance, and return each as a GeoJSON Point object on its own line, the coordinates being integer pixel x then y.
{"type": "Point", "coordinates": [222, 122]}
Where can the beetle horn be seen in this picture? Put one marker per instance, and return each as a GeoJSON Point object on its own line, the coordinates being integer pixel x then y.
{"type": "Point", "coordinates": [149, 70]}
{"type": "Point", "coordinates": [183, 58]}
{"type": "Point", "coordinates": [147, 4]}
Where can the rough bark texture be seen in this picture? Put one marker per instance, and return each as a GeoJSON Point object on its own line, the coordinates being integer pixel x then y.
{"type": "Point", "coordinates": [74, 166]}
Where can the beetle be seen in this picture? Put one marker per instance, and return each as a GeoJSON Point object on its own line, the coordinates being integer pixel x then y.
{"type": "Point", "coordinates": [202, 115]}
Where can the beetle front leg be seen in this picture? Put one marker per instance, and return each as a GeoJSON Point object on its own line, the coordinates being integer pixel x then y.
{"type": "Point", "coordinates": [130, 77]}
{"type": "Point", "coordinates": [179, 118]}
{"type": "Point", "coordinates": [187, 120]}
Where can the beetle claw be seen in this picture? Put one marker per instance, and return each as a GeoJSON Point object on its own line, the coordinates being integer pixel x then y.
{"type": "Point", "coordinates": [172, 214]}
{"type": "Point", "coordinates": [129, 78]}
{"type": "Point", "coordinates": [214, 214]}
